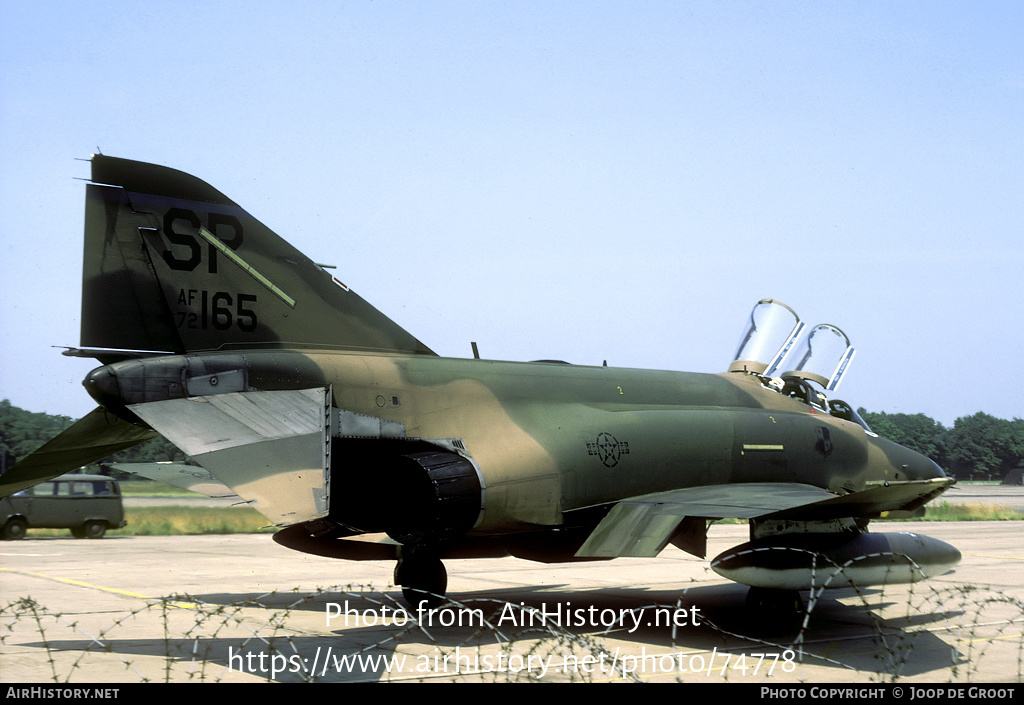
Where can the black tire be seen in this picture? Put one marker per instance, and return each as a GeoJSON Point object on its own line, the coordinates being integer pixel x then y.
{"type": "Point", "coordinates": [14, 529]}
{"type": "Point", "coordinates": [93, 529]}
{"type": "Point", "coordinates": [784, 602]}
{"type": "Point", "coordinates": [774, 611]}
{"type": "Point", "coordinates": [423, 578]}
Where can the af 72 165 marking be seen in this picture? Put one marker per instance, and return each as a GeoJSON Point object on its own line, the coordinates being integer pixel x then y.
{"type": "Point", "coordinates": [215, 308]}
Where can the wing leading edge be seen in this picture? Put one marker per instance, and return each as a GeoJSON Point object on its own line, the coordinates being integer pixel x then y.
{"type": "Point", "coordinates": [94, 436]}
{"type": "Point", "coordinates": [642, 526]}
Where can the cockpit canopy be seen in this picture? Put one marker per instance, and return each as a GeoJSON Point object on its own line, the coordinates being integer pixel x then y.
{"type": "Point", "coordinates": [767, 339]}
{"type": "Point", "coordinates": [822, 354]}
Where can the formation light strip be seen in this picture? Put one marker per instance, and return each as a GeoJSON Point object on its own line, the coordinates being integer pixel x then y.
{"type": "Point", "coordinates": [252, 271]}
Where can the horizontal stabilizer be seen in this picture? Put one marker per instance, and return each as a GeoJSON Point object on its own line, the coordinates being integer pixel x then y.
{"type": "Point", "coordinates": [93, 437]}
{"type": "Point", "coordinates": [271, 448]}
{"type": "Point", "coordinates": [643, 526]}
{"type": "Point", "coordinates": [188, 477]}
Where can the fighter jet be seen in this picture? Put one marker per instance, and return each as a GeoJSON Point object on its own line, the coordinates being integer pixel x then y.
{"type": "Point", "coordinates": [287, 389]}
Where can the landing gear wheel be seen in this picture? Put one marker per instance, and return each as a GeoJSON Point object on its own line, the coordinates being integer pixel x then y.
{"type": "Point", "coordinates": [14, 529]}
{"type": "Point", "coordinates": [422, 576]}
{"type": "Point", "coordinates": [784, 601]}
{"type": "Point", "coordinates": [777, 610]}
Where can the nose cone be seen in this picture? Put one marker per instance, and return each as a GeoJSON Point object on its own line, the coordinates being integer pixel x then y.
{"type": "Point", "coordinates": [905, 464]}
{"type": "Point", "coordinates": [920, 467]}
{"type": "Point", "coordinates": [935, 469]}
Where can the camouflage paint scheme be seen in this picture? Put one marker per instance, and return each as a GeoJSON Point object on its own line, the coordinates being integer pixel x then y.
{"type": "Point", "coordinates": [187, 299]}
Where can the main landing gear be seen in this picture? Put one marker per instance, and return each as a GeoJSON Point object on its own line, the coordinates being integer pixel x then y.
{"type": "Point", "coordinates": [775, 601]}
{"type": "Point", "coordinates": [422, 576]}
{"type": "Point", "coordinates": [775, 610]}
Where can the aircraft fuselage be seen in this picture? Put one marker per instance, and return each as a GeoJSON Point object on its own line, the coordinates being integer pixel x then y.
{"type": "Point", "coordinates": [545, 438]}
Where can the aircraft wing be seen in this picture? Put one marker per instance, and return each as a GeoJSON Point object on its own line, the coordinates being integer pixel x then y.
{"type": "Point", "coordinates": [93, 437]}
{"type": "Point", "coordinates": [642, 526]}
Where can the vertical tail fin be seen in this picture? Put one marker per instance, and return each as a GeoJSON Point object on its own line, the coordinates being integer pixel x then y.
{"type": "Point", "coordinates": [173, 265]}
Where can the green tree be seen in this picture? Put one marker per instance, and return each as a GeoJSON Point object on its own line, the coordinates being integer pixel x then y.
{"type": "Point", "coordinates": [21, 432]}
{"type": "Point", "coordinates": [985, 445]}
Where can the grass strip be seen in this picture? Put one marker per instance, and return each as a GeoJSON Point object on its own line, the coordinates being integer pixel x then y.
{"type": "Point", "coordinates": [184, 521]}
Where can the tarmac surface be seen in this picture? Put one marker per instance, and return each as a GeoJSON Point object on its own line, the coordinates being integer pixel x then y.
{"type": "Point", "coordinates": [241, 608]}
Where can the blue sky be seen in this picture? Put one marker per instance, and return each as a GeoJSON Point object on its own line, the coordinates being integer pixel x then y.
{"type": "Point", "coordinates": [585, 181]}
